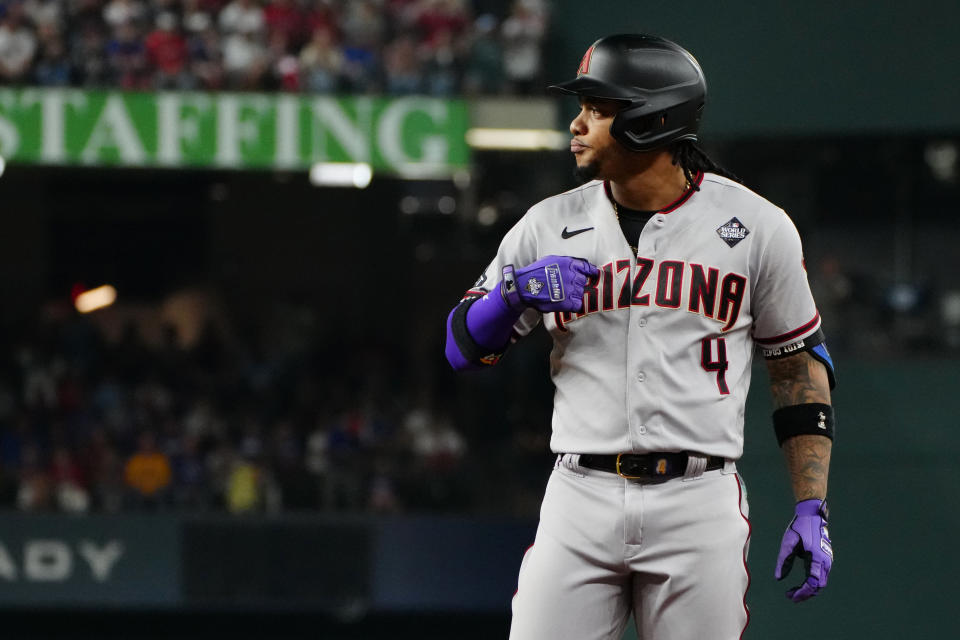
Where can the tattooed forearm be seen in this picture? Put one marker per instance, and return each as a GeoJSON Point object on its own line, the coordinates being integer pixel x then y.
{"type": "Point", "coordinates": [797, 380]}
{"type": "Point", "coordinates": [801, 379]}
{"type": "Point", "coordinates": [808, 460]}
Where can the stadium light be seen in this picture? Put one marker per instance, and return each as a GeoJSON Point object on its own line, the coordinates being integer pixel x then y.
{"type": "Point", "coordinates": [341, 174]}
{"type": "Point", "coordinates": [423, 171]}
{"type": "Point", "coordinates": [517, 139]}
{"type": "Point", "coordinates": [94, 299]}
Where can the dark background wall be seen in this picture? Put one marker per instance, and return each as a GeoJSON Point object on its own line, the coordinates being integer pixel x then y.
{"type": "Point", "coordinates": [795, 67]}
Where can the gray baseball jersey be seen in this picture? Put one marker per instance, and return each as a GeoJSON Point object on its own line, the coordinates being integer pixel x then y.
{"type": "Point", "coordinates": [660, 357]}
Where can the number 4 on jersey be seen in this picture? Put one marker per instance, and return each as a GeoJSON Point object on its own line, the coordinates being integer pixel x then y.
{"type": "Point", "coordinates": [720, 365]}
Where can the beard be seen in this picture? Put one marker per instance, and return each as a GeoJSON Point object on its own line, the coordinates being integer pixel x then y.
{"type": "Point", "coordinates": [587, 172]}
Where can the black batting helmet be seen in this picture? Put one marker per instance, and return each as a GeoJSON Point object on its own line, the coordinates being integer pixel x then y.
{"type": "Point", "coordinates": [661, 82]}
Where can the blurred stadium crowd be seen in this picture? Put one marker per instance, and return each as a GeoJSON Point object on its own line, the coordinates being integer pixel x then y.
{"type": "Point", "coordinates": [436, 47]}
{"type": "Point", "coordinates": [88, 425]}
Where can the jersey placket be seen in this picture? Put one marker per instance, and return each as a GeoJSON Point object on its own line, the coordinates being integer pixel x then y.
{"type": "Point", "coordinates": [640, 378]}
{"type": "Point", "coordinates": [621, 247]}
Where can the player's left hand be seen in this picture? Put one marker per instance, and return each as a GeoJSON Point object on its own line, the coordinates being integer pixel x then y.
{"type": "Point", "coordinates": [807, 537]}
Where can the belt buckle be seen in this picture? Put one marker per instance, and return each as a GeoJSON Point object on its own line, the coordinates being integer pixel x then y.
{"type": "Point", "coordinates": [623, 475]}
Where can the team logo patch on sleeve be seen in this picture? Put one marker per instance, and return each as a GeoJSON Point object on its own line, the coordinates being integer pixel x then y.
{"type": "Point", "coordinates": [732, 232]}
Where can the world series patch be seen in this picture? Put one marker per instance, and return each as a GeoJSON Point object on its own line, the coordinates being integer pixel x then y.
{"type": "Point", "coordinates": [534, 286]}
{"type": "Point", "coordinates": [732, 231]}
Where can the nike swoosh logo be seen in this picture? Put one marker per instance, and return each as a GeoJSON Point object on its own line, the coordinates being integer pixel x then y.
{"type": "Point", "coordinates": [569, 234]}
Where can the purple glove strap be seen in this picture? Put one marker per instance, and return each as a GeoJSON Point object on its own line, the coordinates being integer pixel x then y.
{"type": "Point", "coordinates": [508, 289]}
{"type": "Point", "coordinates": [806, 537]}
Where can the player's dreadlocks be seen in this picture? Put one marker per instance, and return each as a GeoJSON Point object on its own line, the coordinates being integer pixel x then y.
{"type": "Point", "coordinates": [693, 160]}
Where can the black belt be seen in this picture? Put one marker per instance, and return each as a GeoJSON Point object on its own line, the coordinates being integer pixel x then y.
{"type": "Point", "coordinates": [645, 465]}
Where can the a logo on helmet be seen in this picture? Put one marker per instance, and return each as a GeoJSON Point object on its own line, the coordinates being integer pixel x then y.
{"type": "Point", "coordinates": [585, 62]}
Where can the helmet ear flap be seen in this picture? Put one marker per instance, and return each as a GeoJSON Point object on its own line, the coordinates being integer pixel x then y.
{"type": "Point", "coordinates": [640, 130]}
{"type": "Point", "coordinates": [635, 129]}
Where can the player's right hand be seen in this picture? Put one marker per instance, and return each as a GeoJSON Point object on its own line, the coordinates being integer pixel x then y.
{"type": "Point", "coordinates": [552, 283]}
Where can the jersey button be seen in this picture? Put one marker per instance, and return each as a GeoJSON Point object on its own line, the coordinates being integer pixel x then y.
{"type": "Point", "coordinates": [642, 430]}
{"type": "Point", "coordinates": [642, 322]}
{"type": "Point", "coordinates": [641, 376]}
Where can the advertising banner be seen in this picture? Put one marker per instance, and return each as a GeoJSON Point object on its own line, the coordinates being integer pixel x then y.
{"type": "Point", "coordinates": [341, 566]}
{"type": "Point", "coordinates": [231, 130]}
{"type": "Point", "coordinates": [124, 561]}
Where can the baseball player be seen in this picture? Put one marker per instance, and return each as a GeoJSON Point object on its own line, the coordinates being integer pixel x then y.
{"type": "Point", "coordinates": [657, 279]}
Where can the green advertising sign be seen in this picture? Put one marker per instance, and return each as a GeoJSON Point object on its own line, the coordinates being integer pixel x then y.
{"type": "Point", "coordinates": [230, 130]}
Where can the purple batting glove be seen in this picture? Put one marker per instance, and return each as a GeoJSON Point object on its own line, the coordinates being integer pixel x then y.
{"type": "Point", "coordinates": [807, 537]}
{"type": "Point", "coordinates": [553, 283]}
